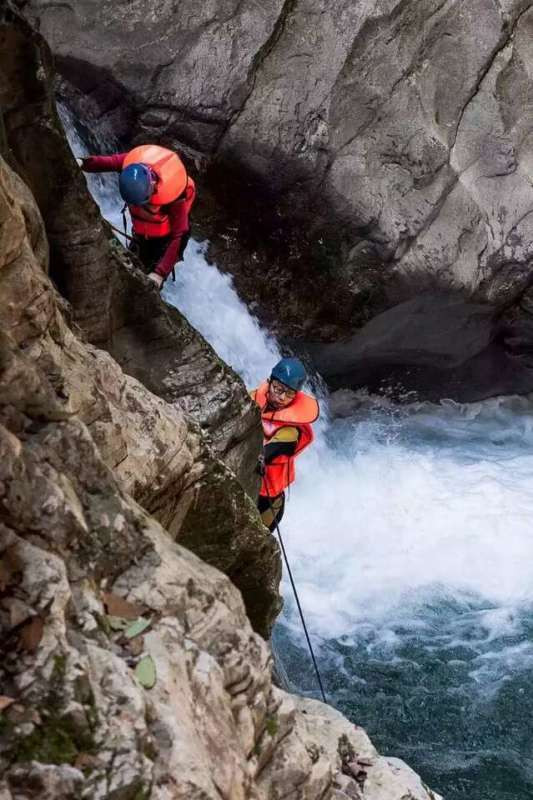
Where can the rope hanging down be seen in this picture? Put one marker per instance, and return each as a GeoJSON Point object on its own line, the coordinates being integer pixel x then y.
{"type": "Point", "coordinates": [310, 646]}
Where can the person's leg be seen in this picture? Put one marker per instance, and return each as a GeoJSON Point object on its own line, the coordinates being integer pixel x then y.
{"type": "Point", "coordinates": [271, 510]}
{"type": "Point", "coordinates": [183, 244]}
{"type": "Point", "coordinates": [150, 251]}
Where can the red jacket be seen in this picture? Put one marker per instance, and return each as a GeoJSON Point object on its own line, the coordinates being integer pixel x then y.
{"type": "Point", "coordinates": [178, 211]}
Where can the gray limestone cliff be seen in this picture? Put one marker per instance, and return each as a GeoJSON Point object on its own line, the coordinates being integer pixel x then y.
{"type": "Point", "coordinates": [364, 154]}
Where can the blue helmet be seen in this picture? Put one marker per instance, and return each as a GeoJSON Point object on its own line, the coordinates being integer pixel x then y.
{"type": "Point", "coordinates": [291, 372]}
{"type": "Point", "coordinates": [135, 184]}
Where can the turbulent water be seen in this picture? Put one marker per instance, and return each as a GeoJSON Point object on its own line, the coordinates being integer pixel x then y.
{"type": "Point", "coordinates": [409, 533]}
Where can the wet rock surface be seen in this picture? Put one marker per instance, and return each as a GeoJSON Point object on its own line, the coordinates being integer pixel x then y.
{"type": "Point", "coordinates": [362, 153]}
{"type": "Point", "coordinates": [433, 346]}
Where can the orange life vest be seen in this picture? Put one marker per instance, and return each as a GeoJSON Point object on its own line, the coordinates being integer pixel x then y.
{"type": "Point", "coordinates": [303, 410]}
{"type": "Point", "coordinates": [150, 220]}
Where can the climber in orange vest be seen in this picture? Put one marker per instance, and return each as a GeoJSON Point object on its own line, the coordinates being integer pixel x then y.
{"type": "Point", "coordinates": [286, 414]}
{"type": "Point", "coordinates": [154, 184]}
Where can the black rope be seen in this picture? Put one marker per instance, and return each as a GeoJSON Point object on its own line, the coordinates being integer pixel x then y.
{"type": "Point", "coordinates": [317, 671]}
{"type": "Point", "coordinates": [121, 233]}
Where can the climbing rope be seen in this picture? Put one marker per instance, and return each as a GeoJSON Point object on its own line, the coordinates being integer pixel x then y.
{"type": "Point", "coordinates": [304, 625]}
{"type": "Point", "coordinates": [121, 233]}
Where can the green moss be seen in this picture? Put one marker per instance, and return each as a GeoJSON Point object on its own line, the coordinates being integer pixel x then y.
{"type": "Point", "coordinates": [103, 623]}
{"type": "Point", "coordinates": [5, 725]}
{"type": "Point", "coordinates": [57, 739]}
{"type": "Point", "coordinates": [143, 793]}
{"type": "Point", "coordinates": [92, 715]}
{"type": "Point", "coordinates": [60, 667]}
{"type": "Point", "coordinates": [49, 744]}
{"type": "Point", "coordinates": [345, 749]}
{"type": "Point", "coordinates": [272, 726]}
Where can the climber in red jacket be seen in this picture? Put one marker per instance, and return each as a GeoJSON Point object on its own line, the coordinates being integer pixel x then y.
{"type": "Point", "coordinates": [154, 184]}
{"type": "Point", "coordinates": [286, 414]}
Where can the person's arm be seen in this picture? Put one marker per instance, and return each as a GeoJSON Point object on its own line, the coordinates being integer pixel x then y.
{"type": "Point", "coordinates": [283, 443]}
{"type": "Point", "coordinates": [178, 213]}
{"type": "Point", "coordinates": [103, 163]}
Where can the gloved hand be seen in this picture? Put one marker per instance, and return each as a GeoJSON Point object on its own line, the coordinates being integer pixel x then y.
{"type": "Point", "coordinates": [157, 279]}
{"type": "Point", "coordinates": [79, 162]}
{"type": "Point", "coordinates": [260, 466]}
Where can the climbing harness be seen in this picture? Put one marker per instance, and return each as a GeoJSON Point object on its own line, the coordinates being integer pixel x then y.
{"type": "Point", "coordinates": [304, 625]}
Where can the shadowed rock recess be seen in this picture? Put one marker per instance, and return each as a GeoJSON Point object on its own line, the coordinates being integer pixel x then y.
{"type": "Point", "coordinates": [364, 153]}
{"type": "Point", "coordinates": [129, 669]}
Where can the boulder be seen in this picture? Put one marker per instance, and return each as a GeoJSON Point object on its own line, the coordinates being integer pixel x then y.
{"type": "Point", "coordinates": [435, 345]}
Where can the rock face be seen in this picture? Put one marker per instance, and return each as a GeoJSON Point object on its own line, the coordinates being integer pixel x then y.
{"type": "Point", "coordinates": [436, 345]}
{"type": "Point", "coordinates": [129, 668]}
{"type": "Point", "coordinates": [171, 358]}
{"type": "Point", "coordinates": [79, 719]}
{"type": "Point", "coordinates": [387, 146]}
{"type": "Point", "coordinates": [158, 453]}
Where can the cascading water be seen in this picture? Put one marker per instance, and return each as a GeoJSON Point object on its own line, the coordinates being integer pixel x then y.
{"type": "Point", "coordinates": [408, 531]}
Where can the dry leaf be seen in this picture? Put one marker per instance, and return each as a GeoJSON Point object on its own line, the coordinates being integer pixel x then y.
{"type": "Point", "coordinates": [5, 702]}
{"type": "Point", "coordinates": [118, 607]}
{"type": "Point", "coordinates": [32, 633]}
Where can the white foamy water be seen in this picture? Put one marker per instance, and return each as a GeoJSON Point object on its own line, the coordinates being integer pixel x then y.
{"type": "Point", "coordinates": [388, 505]}
{"type": "Point", "coordinates": [208, 300]}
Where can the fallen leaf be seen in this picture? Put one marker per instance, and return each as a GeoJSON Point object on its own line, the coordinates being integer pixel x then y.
{"type": "Point", "coordinates": [137, 628]}
{"type": "Point", "coordinates": [5, 702]}
{"type": "Point", "coordinates": [118, 607]}
{"type": "Point", "coordinates": [145, 672]}
{"type": "Point", "coordinates": [32, 633]}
